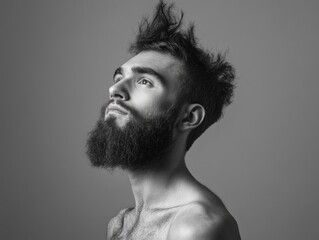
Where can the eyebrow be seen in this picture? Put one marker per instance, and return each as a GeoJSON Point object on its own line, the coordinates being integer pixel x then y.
{"type": "Point", "coordinates": [142, 70]}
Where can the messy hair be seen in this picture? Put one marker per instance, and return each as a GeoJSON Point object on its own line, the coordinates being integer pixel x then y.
{"type": "Point", "coordinates": [208, 79]}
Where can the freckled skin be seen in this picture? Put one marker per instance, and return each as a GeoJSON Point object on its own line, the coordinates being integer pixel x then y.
{"type": "Point", "coordinates": [170, 204]}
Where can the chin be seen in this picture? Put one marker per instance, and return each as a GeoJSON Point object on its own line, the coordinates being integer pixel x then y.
{"type": "Point", "coordinates": [120, 119]}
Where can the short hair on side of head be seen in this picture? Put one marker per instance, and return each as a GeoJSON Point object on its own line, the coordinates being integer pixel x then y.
{"type": "Point", "coordinates": [208, 78]}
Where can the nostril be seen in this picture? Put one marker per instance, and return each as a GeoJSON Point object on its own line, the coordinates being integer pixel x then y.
{"type": "Point", "coordinates": [119, 96]}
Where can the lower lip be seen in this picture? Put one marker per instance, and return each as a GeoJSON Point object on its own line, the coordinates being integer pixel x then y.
{"type": "Point", "coordinates": [116, 112]}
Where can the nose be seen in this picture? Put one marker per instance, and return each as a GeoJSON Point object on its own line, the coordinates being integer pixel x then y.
{"type": "Point", "coordinates": [119, 91]}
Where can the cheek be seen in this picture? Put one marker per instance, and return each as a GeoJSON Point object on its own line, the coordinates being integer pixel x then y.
{"type": "Point", "coordinates": [151, 103]}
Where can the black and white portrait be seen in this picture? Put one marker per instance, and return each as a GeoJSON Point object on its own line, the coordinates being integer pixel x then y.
{"type": "Point", "coordinates": [159, 119]}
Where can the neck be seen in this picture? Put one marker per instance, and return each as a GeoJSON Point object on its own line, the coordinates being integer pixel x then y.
{"type": "Point", "coordinates": [153, 190]}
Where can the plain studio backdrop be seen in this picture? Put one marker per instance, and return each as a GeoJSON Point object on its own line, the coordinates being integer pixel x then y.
{"type": "Point", "coordinates": [57, 62]}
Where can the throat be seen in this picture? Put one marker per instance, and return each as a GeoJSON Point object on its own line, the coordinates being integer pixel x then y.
{"type": "Point", "coordinates": [153, 191]}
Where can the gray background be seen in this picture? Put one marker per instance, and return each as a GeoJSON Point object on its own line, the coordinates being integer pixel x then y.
{"type": "Point", "coordinates": [57, 60]}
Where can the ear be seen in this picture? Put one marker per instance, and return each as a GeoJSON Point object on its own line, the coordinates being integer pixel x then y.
{"type": "Point", "coordinates": [193, 116]}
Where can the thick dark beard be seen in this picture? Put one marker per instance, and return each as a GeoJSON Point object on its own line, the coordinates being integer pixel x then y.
{"type": "Point", "coordinates": [138, 146]}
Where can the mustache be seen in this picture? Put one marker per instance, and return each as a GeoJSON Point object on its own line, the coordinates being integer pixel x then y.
{"type": "Point", "coordinates": [120, 103]}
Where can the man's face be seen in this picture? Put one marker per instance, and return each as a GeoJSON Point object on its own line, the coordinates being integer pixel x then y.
{"type": "Point", "coordinates": [148, 84]}
{"type": "Point", "coordinates": [136, 126]}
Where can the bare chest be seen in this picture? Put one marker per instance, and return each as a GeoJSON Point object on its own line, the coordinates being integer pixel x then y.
{"type": "Point", "coordinates": [152, 226]}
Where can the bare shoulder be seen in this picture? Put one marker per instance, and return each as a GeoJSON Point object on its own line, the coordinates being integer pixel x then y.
{"type": "Point", "coordinates": [116, 223]}
{"type": "Point", "coordinates": [204, 221]}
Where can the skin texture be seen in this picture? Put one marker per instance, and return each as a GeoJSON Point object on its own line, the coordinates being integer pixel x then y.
{"type": "Point", "coordinates": [169, 203]}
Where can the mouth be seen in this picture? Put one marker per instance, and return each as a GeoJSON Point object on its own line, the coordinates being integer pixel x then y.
{"type": "Point", "coordinates": [116, 111]}
{"type": "Point", "coordinates": [112, 109]}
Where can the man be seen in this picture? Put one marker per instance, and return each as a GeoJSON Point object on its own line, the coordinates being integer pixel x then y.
{"type": "Point", "coordinates": [161, 101]}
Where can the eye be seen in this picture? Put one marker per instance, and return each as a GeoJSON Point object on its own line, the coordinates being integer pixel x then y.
{"type": "Point", "coordinates": [144, 81]}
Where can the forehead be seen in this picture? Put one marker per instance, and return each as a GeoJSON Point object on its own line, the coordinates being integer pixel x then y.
{"type": "Point", "coordinates": [165, 64]}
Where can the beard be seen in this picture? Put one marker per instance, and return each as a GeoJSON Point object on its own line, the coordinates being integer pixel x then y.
{"type": "Point", "coordinates": [138, 146]}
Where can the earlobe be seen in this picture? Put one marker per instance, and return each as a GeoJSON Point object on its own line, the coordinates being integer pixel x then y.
{"type": "Point", "coordinates": [193, 116]}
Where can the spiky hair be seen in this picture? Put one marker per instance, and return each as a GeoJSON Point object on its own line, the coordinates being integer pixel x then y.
{"type": "Point", "coordinates": [208, 78]}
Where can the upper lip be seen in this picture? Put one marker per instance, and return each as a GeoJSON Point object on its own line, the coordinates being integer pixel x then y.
{"type": "Point", "coordinates": [116, 108]}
